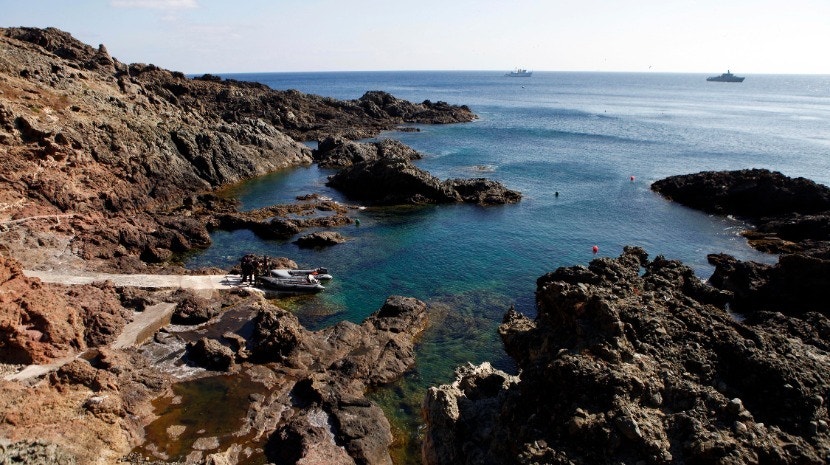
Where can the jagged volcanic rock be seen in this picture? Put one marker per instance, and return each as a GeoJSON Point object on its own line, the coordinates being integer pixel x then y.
{"type": "Point", "coordinates": [626, 363]}
{"type": "Point", "coordinates": [338, 152]}
{"type": "Point", "coordinates": [117, 150]}
{"type": "Point", "coordinates": [791, 216]}
{"type": "Point", "coordinates": [396, 181]}
{"type": "Point", "coordinates": [754, 193]}
{"type": "Point", "coordinates": [40, 322]}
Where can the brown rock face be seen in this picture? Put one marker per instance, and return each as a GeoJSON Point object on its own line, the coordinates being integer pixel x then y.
{"type": "Point", "coordinates": [86, 412]}
{"type": "Point", "coordinates": [40, 322]}
{"type": "Point", "coordinates": [120, 151]}
{"type": "Point", "coordinates": [626, 363]}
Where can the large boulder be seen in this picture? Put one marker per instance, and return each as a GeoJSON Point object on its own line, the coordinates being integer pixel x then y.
{"type": "Point", "coordinates": [192, 309]}
{"type": "Point", "coordinates": [211, 354]}
{"type": "Point", "coordinates": [338, 152]}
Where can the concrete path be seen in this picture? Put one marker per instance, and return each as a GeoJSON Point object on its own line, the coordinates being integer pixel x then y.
{"type": "Point", "coordinates": [141, 280]}
{"type": "Point", "coordinates": [144, 324]}
{"type": "Point", "coordinates": [36, 371]}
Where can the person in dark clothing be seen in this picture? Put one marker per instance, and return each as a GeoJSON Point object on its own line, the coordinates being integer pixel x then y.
{"type": "Point", "coordinates": [248, 266]}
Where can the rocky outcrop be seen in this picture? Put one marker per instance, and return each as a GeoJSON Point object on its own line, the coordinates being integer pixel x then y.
{"type": "Point", "coordinates": [790, 214]}
{"type": "Point", "coordinates": [192, 309]}
{"type": "Point", "coordinates": [40, 322]}
{"type": "Point", "coordinates": [338, 152]}
{"type": "Point", "coordinates": [396, 181]}
{"type": "Point", "coordinates": [795, 285]}
{"type": "Point", "coordinates": [754, 193]}
{"type": "Point", "coordinates": [333, 411]}
{"type": "Point", "coordinates": [382, 173]}
{"type": "Point", "coordinates": [320, 239]}
{"type": "Point", "coordinates": [211, 354]}
{"type": "Point", "coordinates": [285, 221]}
{"type": "Point", "coordinates": [88, 411]}
{"type": "Point", "coordinates": [316, 381]}
{"type": "Point", "coordinates": [791, 217]}
{"type": "Point", "coordinates": [626, 362]}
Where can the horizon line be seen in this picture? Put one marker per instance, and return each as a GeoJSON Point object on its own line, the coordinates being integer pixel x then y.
{"type": "Point", "coordinates": [708, 73]}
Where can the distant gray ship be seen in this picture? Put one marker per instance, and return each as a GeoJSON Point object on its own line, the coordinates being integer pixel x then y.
{"type": "Point", "coordinates": [519, 72]}
{"type": "Point", "coordinates": [726, 77]}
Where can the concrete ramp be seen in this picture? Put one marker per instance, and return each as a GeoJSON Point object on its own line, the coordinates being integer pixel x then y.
{"type": "Point", "coordinates": [144, 325]}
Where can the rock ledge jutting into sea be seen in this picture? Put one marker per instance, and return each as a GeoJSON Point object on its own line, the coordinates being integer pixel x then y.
{"type": "Point", "coordinates": [790, 216]}
{"type": "Point", "coordinates": [631, 360]}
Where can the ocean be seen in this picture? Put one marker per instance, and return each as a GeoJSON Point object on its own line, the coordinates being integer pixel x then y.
{"type": "Point", "coordinates": [597, 139]}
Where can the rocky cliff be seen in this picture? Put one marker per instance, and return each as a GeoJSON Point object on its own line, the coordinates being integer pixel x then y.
{"type": "Point", "coordinates": [98, 154]}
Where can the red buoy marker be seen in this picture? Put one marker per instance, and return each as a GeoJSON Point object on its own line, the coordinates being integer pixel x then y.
{"type": "Point", "coordinates": [632, 178]}
{"type": "Point", "coordinates": [595, 249]}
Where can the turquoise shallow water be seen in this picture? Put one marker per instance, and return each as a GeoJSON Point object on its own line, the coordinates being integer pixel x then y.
{"type": "Point", "coordinates": [584, 135]}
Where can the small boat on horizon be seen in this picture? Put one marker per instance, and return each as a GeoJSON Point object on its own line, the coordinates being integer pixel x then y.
{"type": "Point", "coordinates": [519, 72]}
{"type": "Point", "coordinates": [726, 77]}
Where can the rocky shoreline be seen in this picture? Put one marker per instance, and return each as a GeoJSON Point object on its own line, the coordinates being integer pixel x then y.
{"type": "Point", "coordinates": [632, 360]}
{"type": "Point", "coordinates": [116, 167]}
{"type": "Point", "coordinates": [108, 166]}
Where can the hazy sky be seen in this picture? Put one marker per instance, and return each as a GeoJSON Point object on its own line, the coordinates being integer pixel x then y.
{"type": "Point", "coordinates": [218, 36]}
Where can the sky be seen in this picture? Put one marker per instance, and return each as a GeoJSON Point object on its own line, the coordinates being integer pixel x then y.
{"type": "Point", "coordinates": [222, 36]}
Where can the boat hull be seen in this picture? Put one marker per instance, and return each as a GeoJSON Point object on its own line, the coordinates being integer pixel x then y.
{"type": "Point", "coordinates": [726, 77]}
{"type": "Point", "coordinates": [289, 285]}
{"type": "Point", "coordinates": [319, 273]}
{"type": "Point", "coordinates": [719, 79]}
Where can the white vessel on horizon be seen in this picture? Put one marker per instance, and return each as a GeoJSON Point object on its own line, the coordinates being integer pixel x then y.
{"type": "Point", "coordinates": [519, 72]}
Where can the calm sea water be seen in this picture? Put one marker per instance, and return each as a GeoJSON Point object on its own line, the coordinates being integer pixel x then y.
{"type": "Point", "coordinates": [583, 135]}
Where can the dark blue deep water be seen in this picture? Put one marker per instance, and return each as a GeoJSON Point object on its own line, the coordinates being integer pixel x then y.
{"type": "Point", "coordinates": [583, 135]}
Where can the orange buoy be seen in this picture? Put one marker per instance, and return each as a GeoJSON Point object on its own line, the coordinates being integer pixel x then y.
{"type": "Point", "coordinates": [595, 249]}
